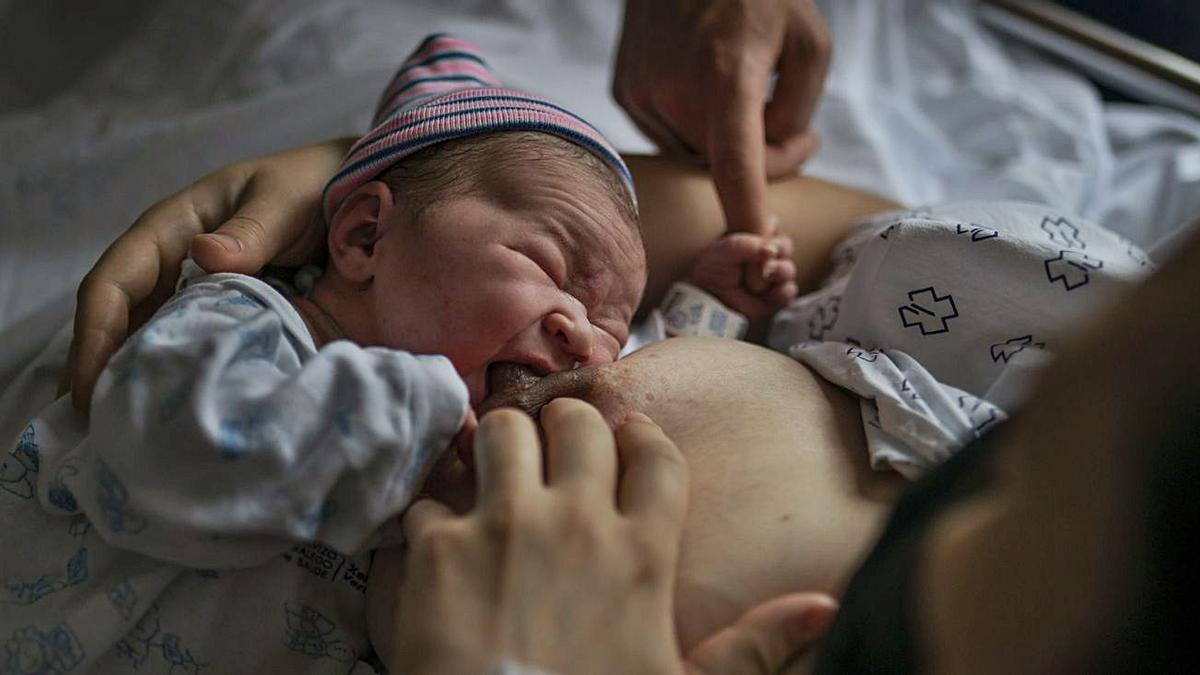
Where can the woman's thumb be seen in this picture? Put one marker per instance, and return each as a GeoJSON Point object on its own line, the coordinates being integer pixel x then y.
{"type": "Point", "coordinates": [766, 638]}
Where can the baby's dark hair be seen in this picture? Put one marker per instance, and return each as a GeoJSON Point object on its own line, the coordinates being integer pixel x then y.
{"type": "Point", "coordinates": [462, 166]}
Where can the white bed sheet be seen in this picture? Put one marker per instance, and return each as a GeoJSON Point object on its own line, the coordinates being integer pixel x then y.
{"type": "Point", "coordinates": [922, 105]}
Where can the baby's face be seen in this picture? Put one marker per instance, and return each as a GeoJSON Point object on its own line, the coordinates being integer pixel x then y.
{"type": "Point", "coordinates": [550, 279]}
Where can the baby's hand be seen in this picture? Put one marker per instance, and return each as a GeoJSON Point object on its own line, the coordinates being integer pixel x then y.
{"type": "Point", "coordinates": [728, 267]}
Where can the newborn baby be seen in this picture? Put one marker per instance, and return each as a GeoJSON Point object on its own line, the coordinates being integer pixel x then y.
{"type": "Point", "coordinates": [476, 236]}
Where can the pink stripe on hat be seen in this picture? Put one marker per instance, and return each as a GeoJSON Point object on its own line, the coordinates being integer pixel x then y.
{"type": "Point", "coordinates": [445, 90]}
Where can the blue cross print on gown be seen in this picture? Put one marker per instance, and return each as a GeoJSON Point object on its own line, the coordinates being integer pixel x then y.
{"type": "Point", "coordinates": [977, 232]}
{"type": "Point", "coordinates": [1133, 252]}
{"type": "Point", "coordinates": [1063, 233]}
{"type": "Point", "coordinates": [823, 320]}
{"type": "Point", "coordinates": [980, 413]}
{"type": "Point", "coordinates": [1071, 268]}
{"type": "Point", "coordinates": [1003, 351]}
{"type": "Point", "coordinates": [928, 311]}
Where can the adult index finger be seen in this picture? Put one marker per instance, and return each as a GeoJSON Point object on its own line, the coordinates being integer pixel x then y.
{"type": "Point", "coordinates": [423, 515]}
{"type": "Point", "coordinates": [654, 477]}
{"type": "Point", "coordinates": [580, 451]}
{"type": "Point", "coordinates": [736, 149]}
{"type": "Point", "coordinates": [508, 458]}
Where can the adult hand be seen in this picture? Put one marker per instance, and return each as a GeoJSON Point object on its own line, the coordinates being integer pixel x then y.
{"type": "Point", "coordinates": [556, 574]}
{"type": "Point", "coordinates": [694, 76]}
{"type": "Point", "coordinates": [234, 220]}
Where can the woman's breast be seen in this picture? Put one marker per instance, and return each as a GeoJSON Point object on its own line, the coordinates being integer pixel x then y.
{"type": "Point", "coordinates": [782, 498]}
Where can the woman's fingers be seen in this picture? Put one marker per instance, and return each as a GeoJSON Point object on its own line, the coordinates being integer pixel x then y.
{"type": "Point", "coordinates": [786, 158]}
{"type": "Point", "coordinates": [802, 66]}
{"type": "Point", "coordinates": [508, 458]}
{"type": "Point", "coordinates": [274, 221]}
{"type": "Point", "coordinates": [735, 150]}
{"type": "Point", "coordinates": [262, 210]}
{"type": "Point", "coordinates": [128, 273]}
{"type": "Point", "coordinates": [654, 479]}
{"type": "Point", "coordinates": [766, 638]}
{"type": "Point", "coordinates": [423, 515]}
{"type": "Point", "coordinates": [580, 452]}
{"type": "Point", "coordinates": [261, 232]}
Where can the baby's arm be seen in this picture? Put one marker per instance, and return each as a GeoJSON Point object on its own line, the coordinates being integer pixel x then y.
{"type": "Point", "coordinates": [721, 270]}
{"type": "Point", "coordinates": [681, 216]}
{"type": "Point", "coordinates": [214, 443]}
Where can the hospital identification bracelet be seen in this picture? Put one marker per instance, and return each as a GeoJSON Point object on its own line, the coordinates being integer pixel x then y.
{"type": "Point", "coordinates": [688, 310]}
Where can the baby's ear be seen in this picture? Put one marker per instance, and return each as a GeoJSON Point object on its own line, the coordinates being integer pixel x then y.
{"type": "Point", "coordinates": [357, 226]}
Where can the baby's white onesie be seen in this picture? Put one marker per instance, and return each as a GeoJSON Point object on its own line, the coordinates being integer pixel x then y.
{"type": "Point", "coordinates": [215, 512]}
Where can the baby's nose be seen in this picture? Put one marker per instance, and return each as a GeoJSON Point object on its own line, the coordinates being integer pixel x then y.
{"type": "Point", "coordinates": [572, 335]}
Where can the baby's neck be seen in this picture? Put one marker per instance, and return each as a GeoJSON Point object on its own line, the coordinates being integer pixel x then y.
{"type": "Point", "coordinates": [330, 315]}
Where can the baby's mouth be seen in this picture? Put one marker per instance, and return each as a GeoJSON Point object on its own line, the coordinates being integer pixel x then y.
{"type": "Point", "coordinates": [506, 386]}
{"type": "Point", "coordinates": [506, 379]}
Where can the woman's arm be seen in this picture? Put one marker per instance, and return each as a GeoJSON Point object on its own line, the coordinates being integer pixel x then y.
{"type": "Point", "coordinates": [236, 219]}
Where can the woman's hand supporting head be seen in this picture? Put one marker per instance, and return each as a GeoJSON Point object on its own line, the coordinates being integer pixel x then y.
{"type": "Point", "coordinates": [236, 219]}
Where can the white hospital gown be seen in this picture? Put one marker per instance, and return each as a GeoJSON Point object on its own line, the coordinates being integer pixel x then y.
{"type": "Point", "coordinates": [937, 317]}
{"type": "Point", "coordinates": [215, 515]}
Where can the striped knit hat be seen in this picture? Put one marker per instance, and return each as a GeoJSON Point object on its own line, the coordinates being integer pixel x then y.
{"type": "Point", "coordinates": [445, 90]}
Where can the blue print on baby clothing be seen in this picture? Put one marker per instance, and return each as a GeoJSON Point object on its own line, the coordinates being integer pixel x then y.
{"type": "Point", "coordinates": [1063, 233]}
{"type": "Point", "coordinates": [123, 598]}
{"type": "Point", "coordinates": [146, 636]}
{"type": "Point", "coordinates": [240, 299]}
{"type": "Point", "coordinates": [58, 494]}
{"type": "Point", "coordinates": [257, 343]}
{"type": "Point", "coordinates": [28, 592]}
{"type": "Point", "coordinates": [240, 436]}
{"type": "Point", "coordinates": [310, 633]}
{"type": "Point", "coordinates": [928, 311]}
{"type": "Point", "coordinates": [309, 524]}
{"type": "Point", "coordinates": [114, 501]}
{"type": "Point", "coordinates": [1071, 268]}
{"type": "Point", "coordinates": [31, 651]}
{"type": "Point", "coordinates": [17, 467]}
